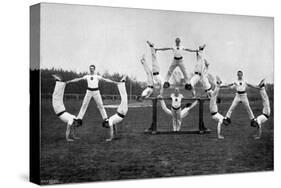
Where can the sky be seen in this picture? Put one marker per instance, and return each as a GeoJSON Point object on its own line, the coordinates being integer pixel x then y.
{"type": "Point", "coordinates": [114, 39]}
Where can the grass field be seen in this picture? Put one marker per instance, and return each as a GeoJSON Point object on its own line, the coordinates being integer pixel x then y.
{"type": "Point", "coordinates": [137, 155]}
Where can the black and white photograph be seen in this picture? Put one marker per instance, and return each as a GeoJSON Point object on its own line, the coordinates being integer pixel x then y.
{"type": "Point", "coordinates": [126, 93]}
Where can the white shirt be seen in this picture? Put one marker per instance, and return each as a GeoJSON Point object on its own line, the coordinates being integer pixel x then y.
{"type": "Point", "coordinates": [240, 85]}
{"type": "Point", "coordinates": [176, 100]}
{"type": "Point", "coordinates": [178, 51]}
{"type": "Point", "coordinates": [92, 80]}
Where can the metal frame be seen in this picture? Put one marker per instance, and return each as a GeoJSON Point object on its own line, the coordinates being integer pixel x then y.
{"type": "Point", "coordinates": [201, 127]}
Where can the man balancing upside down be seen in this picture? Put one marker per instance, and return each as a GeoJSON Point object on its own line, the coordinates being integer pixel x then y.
{"type": "Point", "coordinates": [261, 119]}
{"type": "Point", "coordinates": [155, 65]}
{"type": "Point", "coordinates": [92, 92]}
{"type": "Point", "coordinates": [214, 107]}
{"type": "Point", "coordinates": [178, 50]}
{"type": "Point", "coordinates": [153, 77]}
{"type": "Point", "coordinates": [121, 110]}
{"type": "Point", "coordinates": [150, 84]}
{"type": "Point", "coordinates": [59, 108]}
{"type": "Point", "coordinates": [176, 112]}
{"type": "Point", "coordinates": [201, 72]}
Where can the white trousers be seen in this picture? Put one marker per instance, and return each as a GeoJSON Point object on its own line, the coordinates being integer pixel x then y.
{"type": "Point", "coordinates": [57, 101]}
{"type": "Point", "coordinates": [67, 118]}
{"type": "Point", "coordinates": [157, 80]}
{"type": "Point", "coordinates": [122, 108]}
{"type": "Point", "coordinates": [177, 63]}
{"type": "Point", "coordinates": [147, 92]}
{"type": "Point", "coordinates": [218, 117]}
{"type": "Point", "coordinates": [244, 100]}
{"type": "Point", "coordinates": [266, 107]}
{"type": "Point", "coordinates": [203, 79]}
{"type": "Point", "coordinates": [97, 97]}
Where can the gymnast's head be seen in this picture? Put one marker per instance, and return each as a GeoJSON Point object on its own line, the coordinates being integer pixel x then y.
{"type": "Point", "coordinates": [178, 41]}
{"type": "Point", "coordinates": [92, 69]}
{"type": "Point", "coordinates": [240, 74]}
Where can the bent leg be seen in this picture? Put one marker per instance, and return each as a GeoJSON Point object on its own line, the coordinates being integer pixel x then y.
{"type": "Point", "coordinates": [265, 102]}
{"type": "Point", "coordinates": [148, 73]}
{"type": "Point", "coordinates": [194, 80]}
{"type": "Point", "coordinates": [123, 107]}
{"type": "Point", "coordinates": [146, 92]}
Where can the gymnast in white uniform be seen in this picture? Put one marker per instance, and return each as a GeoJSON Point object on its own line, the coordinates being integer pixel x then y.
{"type": "Point", "coordinates": [261, 119]}
{"type": "Point", "coordinates": [176, 112]}
{"type": "Point", "coordinates": [121, 110]}
{"type": "Point", "coordinates": [59, 108]}
{"type": "Point", "coordinates": [214, 108]}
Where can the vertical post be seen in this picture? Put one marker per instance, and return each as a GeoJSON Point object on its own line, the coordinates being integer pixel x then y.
{"type": "Point", "coordinates": [201, 121]}
{"type": "Point", "coordinates": [131, 88]}
{"type": "Point", "coordinates": [154, 116]}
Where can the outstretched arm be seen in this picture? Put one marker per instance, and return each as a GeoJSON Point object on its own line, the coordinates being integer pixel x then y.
{"type": "Point", "coordinates": [163, 106]}
{"type": "Point", "coordinates": [193, 104]}
{"type": "Point", "coordinates": [108, 80]}
{"type": "Point", "coordinates": [189, 50]}
{"type": "Point", "coordinates": [226, 85]}
{"type": "Point", "coordinates": [74, 80]}
{"type": "Point", "coordinates": [253, 86]}
{"type": "Point", "coordinates": [185, 111]}
{"type": "Point", "coordinates": [163, 49]}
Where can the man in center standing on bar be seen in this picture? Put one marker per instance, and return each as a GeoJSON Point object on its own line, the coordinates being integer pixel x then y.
{"type": "Point", "coordinates": [178, 50]}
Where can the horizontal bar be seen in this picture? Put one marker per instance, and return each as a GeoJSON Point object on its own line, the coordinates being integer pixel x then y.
{"type": "Point", "coordinates": [179, 132]}
{"type": "Point", "coordinates": [169, 98]}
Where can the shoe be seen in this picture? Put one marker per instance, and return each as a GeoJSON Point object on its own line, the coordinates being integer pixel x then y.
{"type": "Point", "coordinates": [219, 82]}
{"type": "Point", "coordinates": [226, 121]}
{"type": "Point", "coordinates": [188, 86]}
{"type": "Point", "coordinates": [262, 83]}
{"type": "Point", "coordinates": [57, 78]}
{"type": "Point", "coordinates": [166, 85]}
{"type": "Point", "coordinates": [254, 123]}
{"type": "Point", "coordinates": [150, 44]}
{"type": "Point", "coordinates": [218, 100]}
{"type": "Point", "coordinates": [123, 79]}
{"type": "Point", "coordinates": [79, 122]}
{"type": "Point", "coordinates": [105, 123]}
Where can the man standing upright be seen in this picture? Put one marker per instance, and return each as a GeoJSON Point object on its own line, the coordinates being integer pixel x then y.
{"type": "Point", "coordinates": [92, 91]}
{"type": "Point", "coordinates": [240, 97]}
{"type": "Point", "coordinates": [178, 50]}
